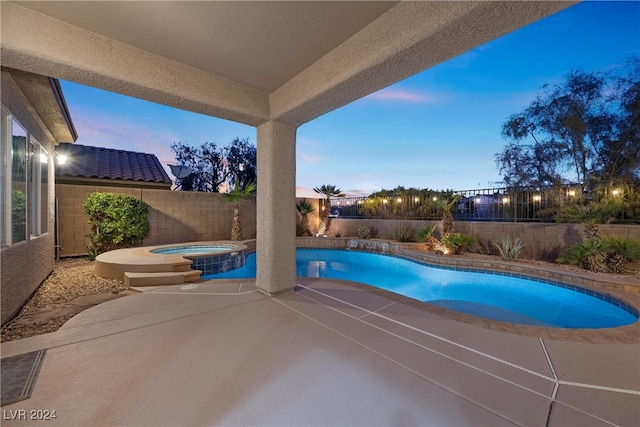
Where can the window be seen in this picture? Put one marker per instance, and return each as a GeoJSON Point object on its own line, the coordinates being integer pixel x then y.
{"type": "Point", "coordinates": [38, 186]}
{"type": "Point", "coordinates": [5, 155]}
{"type": "Point", "coordinates": [18, 182]}
{"type": "Point", "coordinates": [24, 183]}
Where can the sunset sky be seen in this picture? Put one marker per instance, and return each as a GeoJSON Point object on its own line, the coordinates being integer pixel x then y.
{"type": "Point", "coordinates": [439, 129]}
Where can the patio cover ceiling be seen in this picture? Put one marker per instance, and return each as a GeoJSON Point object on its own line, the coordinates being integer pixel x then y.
{"type": "Point", "coordinates": [250, 62]}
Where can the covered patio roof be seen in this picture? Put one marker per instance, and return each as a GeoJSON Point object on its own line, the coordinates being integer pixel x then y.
{"type": "Point", "coordinates": [274, 65]}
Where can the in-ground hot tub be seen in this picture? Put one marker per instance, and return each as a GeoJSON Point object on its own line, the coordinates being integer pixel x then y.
{"type": "Point", "coordinates": [209, 258]}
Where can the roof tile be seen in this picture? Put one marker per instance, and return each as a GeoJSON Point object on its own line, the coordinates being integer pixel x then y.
{"type": "Point", "coordinates": [98, 162]}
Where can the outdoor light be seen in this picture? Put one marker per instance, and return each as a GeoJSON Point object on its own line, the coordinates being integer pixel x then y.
{"type": "Point", "coordinates": [434, 198]}
{"type": "Point", "coordinates": [572, 193]}
{"type": "Point", "coordinates": [616, 192]}
{"type": "Point", "coordinates": [399, 200]}
{"type": "Point", "coordinates": [417, 199]}
{"type": "Point", "coordinates": [62, 159]}
{"type": "Point", "coordinates": [537, 198]}
{"type": "Point", "coordinates": [384, 201]}
{"type": "Point", "coordinates": [359, 202]}
{"type": "Point", "coordinates": [505, 200]}
{"type": "Point", "coordinates": [477, 199]}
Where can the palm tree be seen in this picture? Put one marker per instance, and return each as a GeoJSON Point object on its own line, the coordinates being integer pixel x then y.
{"type": "Point", "coordinates": [237, 196]}
{"type": "Point", "coordinates": [329, 191]}
{"type": "Point", "coordinates": [304, 208]}
{"type": "Point", "coordinates": [447, 205]}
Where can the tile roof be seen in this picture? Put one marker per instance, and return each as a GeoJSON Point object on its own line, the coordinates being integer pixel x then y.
{"type": "Point", "coordinates": [97, 162]}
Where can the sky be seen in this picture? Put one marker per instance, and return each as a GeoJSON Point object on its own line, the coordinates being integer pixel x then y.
{"type": "Point", "coordinates": [439, 129]}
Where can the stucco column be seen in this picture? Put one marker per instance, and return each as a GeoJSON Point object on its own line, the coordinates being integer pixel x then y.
{"type": "Point", "coordinates": [276, 222]}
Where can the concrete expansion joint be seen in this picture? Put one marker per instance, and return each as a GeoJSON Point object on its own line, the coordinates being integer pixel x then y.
{"type": "Point", "coordinates": [557, 382]}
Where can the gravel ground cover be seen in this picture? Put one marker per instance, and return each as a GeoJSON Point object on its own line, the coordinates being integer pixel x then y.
{"type": "Point", "coordinates": [72, 287]}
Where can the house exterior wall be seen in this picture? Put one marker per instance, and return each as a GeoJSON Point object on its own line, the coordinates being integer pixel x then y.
{"type": "Point", "coordinates": [25, 265]}
{"type": "Point", "coordinates": [542, 241]}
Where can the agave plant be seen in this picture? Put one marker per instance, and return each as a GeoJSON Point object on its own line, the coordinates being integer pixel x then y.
{"type": "Point", "coordinates": [237, 196]}
{"type": "Point", "coordinates": [363, 231]}
{"type": "Point", "coordinates": [403, 233]}
{"type": "Point", "coordinates": [329, 191]}
{"type": "Point", "coordinates": [510, 248]}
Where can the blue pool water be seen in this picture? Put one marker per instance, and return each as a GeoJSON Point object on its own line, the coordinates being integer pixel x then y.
{"type": "Point", "coordinates": [194, 249]}
{"type": "Point", "coordinates": [492, 296]}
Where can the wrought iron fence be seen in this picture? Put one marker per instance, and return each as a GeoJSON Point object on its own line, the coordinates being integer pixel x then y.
{"type": "Point", "coordinates": [522, 204]}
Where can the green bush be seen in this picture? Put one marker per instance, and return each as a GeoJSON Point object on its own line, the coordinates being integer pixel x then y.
{"type": "Point", "coordinates": [117, 221]}
{"type": "Point", "coordinates": [404, 233]}
{"type": "Point", "coordinates": [458, 243]}
{"type": "Point", "coordinates": [426, 232]}
{"type": "Point", "coordinates": [510, 248]}
{"type": "Point", "coordinates": [602, 212]}
{"type": "Point", "coordinates": [602, 255]}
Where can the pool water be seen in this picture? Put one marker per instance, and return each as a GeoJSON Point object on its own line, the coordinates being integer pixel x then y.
{"type": "Point", "coordinates": [488, 295]}
{"type": "Point", "coordinates": [194, 249]}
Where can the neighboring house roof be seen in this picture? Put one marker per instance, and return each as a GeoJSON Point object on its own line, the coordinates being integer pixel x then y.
{"type": "Point", "coordinates": [86, 164]}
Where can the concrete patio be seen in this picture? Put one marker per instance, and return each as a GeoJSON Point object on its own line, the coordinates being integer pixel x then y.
{"type": "Point", "coordinates": [332, 353]}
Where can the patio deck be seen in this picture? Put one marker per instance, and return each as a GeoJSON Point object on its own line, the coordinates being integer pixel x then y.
{"type": "Point", "coordinates": [332, 353]}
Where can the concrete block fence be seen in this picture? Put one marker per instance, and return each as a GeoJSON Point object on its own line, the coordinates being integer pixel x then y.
{"type": "Point", "coordinates": [177, 217]}
{"type": "Point", "coordinates": [542, 241]}
{"type": "Point", "coordinates": [174, 216]}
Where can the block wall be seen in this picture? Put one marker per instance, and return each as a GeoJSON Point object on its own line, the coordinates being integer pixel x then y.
{"type": "Point", "coordinates": [174, 216]}
{"type": "Point", "coordinates": [542, 241]}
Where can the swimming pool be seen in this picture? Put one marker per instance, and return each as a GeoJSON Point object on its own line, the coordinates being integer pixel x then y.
{"type": "Point", "coordinates": [194, 249]}
{"type": "Point", "coordinates": [492, 296]}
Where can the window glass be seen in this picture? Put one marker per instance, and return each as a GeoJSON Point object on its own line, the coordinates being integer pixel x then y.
{"type": "Point", "coordinates": [18, 183]}
{"type": "Point", "coordinates": [5, 150]}
{"type": "Point", "coordinates": [44, 191]}
{"type": "Point", "coordinates": [36, 157]}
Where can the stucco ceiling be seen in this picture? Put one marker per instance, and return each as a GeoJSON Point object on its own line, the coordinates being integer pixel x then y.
{"type": "Point", "coordinates": [261, 44]}
{"type": "Point", "coordinates": [250, 62]}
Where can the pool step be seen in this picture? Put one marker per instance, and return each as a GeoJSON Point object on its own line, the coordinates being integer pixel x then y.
{"type": "Point", "coordinates": [161, 278]}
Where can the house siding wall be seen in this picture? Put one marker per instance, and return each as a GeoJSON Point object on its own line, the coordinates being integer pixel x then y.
{"type": "Point", "coordinates": [24, 266]}
{"type": "Point", "coordinates": [542, 241]}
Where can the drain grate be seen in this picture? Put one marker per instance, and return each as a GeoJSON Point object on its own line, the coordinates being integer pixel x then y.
{"type": "Point", "coordinates": [19, 375]}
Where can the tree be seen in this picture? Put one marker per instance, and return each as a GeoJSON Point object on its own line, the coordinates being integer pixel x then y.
{"type": "Point", "coordinates": [304, 208]}
{"type": "Point", "coordinates": [581, 130]}
{"type": "Point", "coordinates": [212, 165]}
{"type": "Point", "coordinates": [237, 196]}
{"type": "Point", "coordinates": [242, 159]}
{"type": "Point", "coordinates": [328, 191]}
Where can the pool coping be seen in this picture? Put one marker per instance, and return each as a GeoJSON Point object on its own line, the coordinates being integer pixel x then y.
{"type": "Point", "coordinates": [621, 288]}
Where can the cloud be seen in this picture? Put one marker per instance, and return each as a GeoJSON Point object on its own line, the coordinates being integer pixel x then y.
{"type": "Point", "coordinates": [400, 95]}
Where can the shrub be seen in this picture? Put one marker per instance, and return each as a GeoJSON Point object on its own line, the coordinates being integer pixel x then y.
{"type": "Point", "coordinates": [425, 233]}
{"type": "Point", "coordinates": [363, 231]}
{"type": "Point", "coordinates": [403, 233]}
{"type": "Point", "coordinates": [602, 212]}
{"type": "Point", "coordinates": [117, 221]}
{"type": "Point", "coordinates": [458, 243]}
{"type": "Point", "coordinates": [589, 254]}
{"type": "Point", "coordinates": [602, 255]}
{"type": "Point", "coordinates": [510, 248]}
{"type": "Point", "coordinates": [628, 248]}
